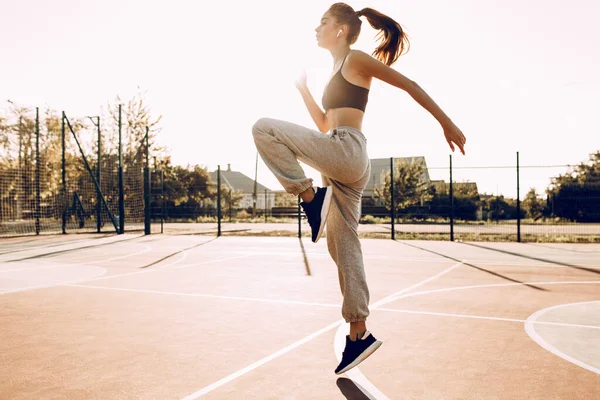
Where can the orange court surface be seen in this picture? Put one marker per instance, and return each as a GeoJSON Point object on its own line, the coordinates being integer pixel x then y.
{"type": "Point", "coordinates": [185, 317]}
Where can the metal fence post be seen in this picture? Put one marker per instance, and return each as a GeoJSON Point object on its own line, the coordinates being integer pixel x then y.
{"type": "Point", "coordinates": [518, 204]}
{"type": "Point", "coordinates": [121, 188]}
{"type": "Point", "coordinates": [37, 170]}
{"type": "Point", "coordinates": [98, 177]}
{"type": "Point", "coordinates": [265, 206]}
{"type": "Point", "coordinates": [299, 220]}
{"type": "Point", "coordinates": [147, 189]}
{"type": "Point", "coordinates": [64, 176]}
{"type": "Point", "coordinates": [393, 202]}
{"type": "Point", "coordinates": [162, 200]}
{"type": "Point", "coordinates": [218, 200]}
{"type": "Point", "coordinates": [451, 204]}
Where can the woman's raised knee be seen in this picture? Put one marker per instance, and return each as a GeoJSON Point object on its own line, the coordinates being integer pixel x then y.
{"type": "Point", "coordinates": [261, 126]}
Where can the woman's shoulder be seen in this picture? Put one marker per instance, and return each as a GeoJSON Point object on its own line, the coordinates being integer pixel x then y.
{"type": "Point", "coordinates": [358, 61]}
{"type": "Point", "coordinates": [358, 57]}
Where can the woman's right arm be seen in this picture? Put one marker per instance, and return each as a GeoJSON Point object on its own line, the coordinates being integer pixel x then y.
{"type": "Point", "coordinates": [315, 111]}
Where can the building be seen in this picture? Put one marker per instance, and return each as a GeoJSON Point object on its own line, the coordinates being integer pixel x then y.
{"type": "Point", "coordinates": [237, 181]}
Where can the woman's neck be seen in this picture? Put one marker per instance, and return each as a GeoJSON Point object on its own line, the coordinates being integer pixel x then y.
{"type": "Point", "coordinates": [339, 54]}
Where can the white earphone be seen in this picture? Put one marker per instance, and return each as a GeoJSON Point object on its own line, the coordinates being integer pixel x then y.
{"type": "Point", "coordinates": [339, 33]}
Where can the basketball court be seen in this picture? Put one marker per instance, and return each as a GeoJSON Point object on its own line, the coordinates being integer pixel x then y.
{"type": "Point", "coordinates": [186, 317]}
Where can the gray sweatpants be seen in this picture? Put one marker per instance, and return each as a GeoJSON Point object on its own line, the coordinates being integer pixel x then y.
{"type": "Point", "coordinates": [341, 157]}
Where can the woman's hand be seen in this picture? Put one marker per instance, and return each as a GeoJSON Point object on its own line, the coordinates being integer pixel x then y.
{"type": "Point", "coordinates": [455, 136]}
{"type": "Point", "coordinates": [301, 81]}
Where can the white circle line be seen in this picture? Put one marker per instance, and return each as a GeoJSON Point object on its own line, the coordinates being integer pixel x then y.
{"type": "Point", "coordinates": [530, 329]}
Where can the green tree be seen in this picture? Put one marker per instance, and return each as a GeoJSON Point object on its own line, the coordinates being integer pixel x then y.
{"type": "Point", "coordinates": [136, 115]}
{"type": "Point", "coordinates": [410, 186]}
{"type": "Point", "coordinates": [499, 207]}
{"type": "Point", "coordinates": [230, 200]}
{"type": "Point", "coordinates": [186, 188]}
{"type": "Point", "coordinates": [283, 199]}
{"type": "Point", "coordinates": [466, 200]}
{"type": "Point", "coordinates": [576, 194]}
{"type": "Point", "coordinates": [533, 205]}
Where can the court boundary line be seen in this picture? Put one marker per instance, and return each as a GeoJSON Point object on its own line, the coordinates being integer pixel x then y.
{"type": "Point", "coordinates": [209, 296]}
{"type": "Point", "coordinates": [51, 264]}
{"type": "Point", "coordinates": [36, 287]}
{"type": "Point", "coordinates": [287, 349]}
{"type": "Point", "coordinates": [177, 252]}
{"type": "Point", "coordinates": [355, 374]}
{"type": "Point", "coordinates": [117, 275]}
{"type": "Point", "coordinates": [170, 267]}
{"type": "Point", "coordinates": [488, 285]}
{"type": "Point", "coordinates": [262, 361]}
{"type": "Point", "coordinates": [539, 340]}
{"type": "Point", "coordinates": [488, 318]}
{"type": "Point", "coordinates": [73, 249]}
{"type": "Point", "coordinates": [54, 244]}
{"type": "Point", "coordinates": [331, 305]}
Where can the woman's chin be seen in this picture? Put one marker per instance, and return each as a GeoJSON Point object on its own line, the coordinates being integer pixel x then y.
{"type": "Point", "coordinates": [321, 45]}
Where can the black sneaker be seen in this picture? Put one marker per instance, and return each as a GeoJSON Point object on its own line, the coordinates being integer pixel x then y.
{"type": "Point", "coordinates": [357, 351]}
{"type": "Point", "coordinates": [316, 211]}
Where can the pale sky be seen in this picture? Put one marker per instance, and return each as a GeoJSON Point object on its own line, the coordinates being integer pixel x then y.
{"type": "Point", "coordinates": [514, 75]}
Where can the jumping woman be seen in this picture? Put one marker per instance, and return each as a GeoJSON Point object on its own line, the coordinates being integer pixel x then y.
{"type": "Point", "coordinates": [339, 153]}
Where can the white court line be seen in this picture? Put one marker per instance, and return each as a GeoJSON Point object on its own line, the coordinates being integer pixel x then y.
{"type": "Point", "coordinates": [112, 276]}
{"type": "Point", "coordinates": [329, 305]}
{"type": "Point", "coordinates": [65, 247]}
{"type": "Point", "coordinates": [355, 374]}
{"type": "Point", "coordinates": [147, 271]}
{"type": "Point", "coordinates": [393, 297]}
{"type": "Point", "coordinates": [53, 264]}
{"type": "Point", "coordinates": [147, 249]}
{"type": "Point", "coordinates": [294, 345]}
{"type": "Point", "coordinates": [530, 329]}
{"type": "Point", "coordinates": [211, 296]}
{"type": "Point", "coordinates": [183, 256]}
{"type": "Point", "coordinates": [497, 285]}
{"type": "Point", "coordinates": [58, 244]}
{"type": "Point", "coordinates": [438, 314]}
{"type": "Point", "coordinates": [26, 288]}
{"type": "Point", "coordinates": [339, 341]}
{"type": "Point", "coordinates": [260, 362]}
{"type": "Point", "coordinates": [54, 244]}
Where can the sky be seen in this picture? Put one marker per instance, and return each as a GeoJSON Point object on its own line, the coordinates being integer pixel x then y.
{"type": "Point", "coordinates": [515, 76]}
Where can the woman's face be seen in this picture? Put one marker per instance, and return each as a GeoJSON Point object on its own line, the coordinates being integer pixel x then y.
{"type": "Point", "coordinates": [328, 31]}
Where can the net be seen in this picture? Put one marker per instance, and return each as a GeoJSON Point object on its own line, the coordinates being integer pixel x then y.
{"type": "Point", "coordinates": [50, 187]}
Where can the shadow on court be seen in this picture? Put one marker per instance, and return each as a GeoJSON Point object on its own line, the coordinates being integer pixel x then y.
{"type": "Point", "coordinates": [562, 264]}
{"type": "Point", "coordinates": [350, 389]}
{"type": "Point", "coordinates": [306, 264]}
{"type": "Point", "coordinates": [476, 267]}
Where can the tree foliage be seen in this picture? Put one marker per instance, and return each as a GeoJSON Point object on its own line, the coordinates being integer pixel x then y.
{"type": "Point", "coordinates": [410, 186]}
{"type": "Point", "coordinates": [576, 194]}
{"type": "Point", "coordinates": [533, 205]}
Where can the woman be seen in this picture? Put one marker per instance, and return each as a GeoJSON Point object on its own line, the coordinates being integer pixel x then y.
{"type": "Point", "coordinates": [341, 156]}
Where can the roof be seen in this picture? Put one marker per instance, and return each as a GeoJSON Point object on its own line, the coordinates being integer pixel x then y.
{"type": "Point", "coordinates": [238, 181]}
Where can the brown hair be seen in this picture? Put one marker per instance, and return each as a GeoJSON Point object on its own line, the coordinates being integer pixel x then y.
{"type": "Point", "coordinates": [394, 41]}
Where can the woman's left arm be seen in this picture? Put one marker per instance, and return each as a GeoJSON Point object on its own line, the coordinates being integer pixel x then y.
{"type": "Point", "coordinates": [369, 66]}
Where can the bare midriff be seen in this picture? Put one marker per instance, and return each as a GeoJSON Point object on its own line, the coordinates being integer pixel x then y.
{"type": "Point", "coordinates": [345, 117]}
